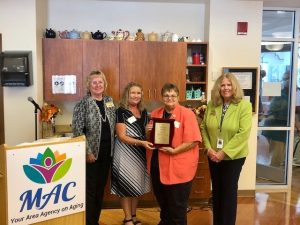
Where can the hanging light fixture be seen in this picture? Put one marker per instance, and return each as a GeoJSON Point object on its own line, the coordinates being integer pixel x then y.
{"type": "Point", "coordinates": [274, 47]}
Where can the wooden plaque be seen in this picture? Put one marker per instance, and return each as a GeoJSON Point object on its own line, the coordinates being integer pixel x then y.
{"type": "Point", "coordinates": [162, 132]}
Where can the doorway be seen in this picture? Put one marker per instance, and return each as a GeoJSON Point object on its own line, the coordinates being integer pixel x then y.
{"type": "Point", "coordinates": [274, 124]}
{"type": "Point", "coordinates": [276, 98]}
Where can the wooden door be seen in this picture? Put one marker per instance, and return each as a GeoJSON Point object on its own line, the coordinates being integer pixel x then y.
{"type": "Point", "coordinates": [104, 56]}
{"type": "Point", "coordinates": [62, 57]}
{"type": "Point", "coordinates": [2, 136]}
{"type": "Point", "coordinates": [170, 66]}
{"type": "Point", "coordinates": [137, 63]}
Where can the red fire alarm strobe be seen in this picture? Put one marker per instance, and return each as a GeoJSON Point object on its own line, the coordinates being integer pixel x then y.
{"type": "Point", "coordinates": [242, 28]}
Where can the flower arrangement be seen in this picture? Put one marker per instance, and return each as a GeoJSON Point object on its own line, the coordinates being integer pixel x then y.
{"type": "Point", "coordinates": [49, 112]}
{"type": "Point", "coordinates": [199, 111]}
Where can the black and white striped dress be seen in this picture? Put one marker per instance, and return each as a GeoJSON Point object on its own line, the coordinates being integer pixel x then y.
{"type": "Point", "coordinates": [129, 174]}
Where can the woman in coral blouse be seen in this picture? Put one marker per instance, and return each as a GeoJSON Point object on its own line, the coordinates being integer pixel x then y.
{"type": "Point", "coordinates": [173, 168]}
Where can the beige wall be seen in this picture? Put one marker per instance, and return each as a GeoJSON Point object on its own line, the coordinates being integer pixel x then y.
{"type": "Point", "coordinates": [180, 18]}
{"type": "Point", "coordinates": [216, 23]}
{"type": "Point", "coordinates": [19, 32]}
{"type": "Point", "coordinates": [227, 49]}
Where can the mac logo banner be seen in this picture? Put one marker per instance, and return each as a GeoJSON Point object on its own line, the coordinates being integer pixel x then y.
{"type": "Point", "coordinates": [45, 182]}
{"type": "Point", "coordinates": [47, 167]}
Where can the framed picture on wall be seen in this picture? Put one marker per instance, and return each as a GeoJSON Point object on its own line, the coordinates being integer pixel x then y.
{"type": "Point", "coordinates": [247, 77]}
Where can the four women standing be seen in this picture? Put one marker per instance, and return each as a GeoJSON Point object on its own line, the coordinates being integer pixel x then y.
{"type": "Point", "coordinates": [225, 129]}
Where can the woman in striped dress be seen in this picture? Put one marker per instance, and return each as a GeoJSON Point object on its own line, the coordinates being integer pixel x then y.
{"type": "Point", "coordinates": [129, 174]}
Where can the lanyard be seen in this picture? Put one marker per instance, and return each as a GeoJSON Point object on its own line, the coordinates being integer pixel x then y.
{"type": "Point", "coordinates": [224, 109]}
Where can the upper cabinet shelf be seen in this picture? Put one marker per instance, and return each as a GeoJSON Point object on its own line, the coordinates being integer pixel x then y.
{"type": "Point", "coordinates": [196, 70]}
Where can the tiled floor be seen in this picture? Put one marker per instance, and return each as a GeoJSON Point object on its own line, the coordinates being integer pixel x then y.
{"type": "Point", "coordinates": [265, 209]}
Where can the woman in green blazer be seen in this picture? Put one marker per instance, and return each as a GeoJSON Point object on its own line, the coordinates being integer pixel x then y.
{"type": "Point", "coordinates": [225, 130]}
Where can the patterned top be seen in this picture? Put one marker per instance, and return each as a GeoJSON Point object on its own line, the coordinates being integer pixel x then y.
{"type": "Point", "coordinates": [129, 174]}
{"type": "Point", "coordinates": [87, 121]}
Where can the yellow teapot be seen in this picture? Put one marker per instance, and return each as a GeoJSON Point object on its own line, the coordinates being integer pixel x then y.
{"type": "Point", "coordinates": [152, 36]}
{"type": "Point", "coordinates": [85, 35]}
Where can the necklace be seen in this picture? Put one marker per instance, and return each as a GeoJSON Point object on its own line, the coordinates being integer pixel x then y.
{"type": "Point", "coordinates": [103, 118]}
{"type": "Point", "coordinates": [101, 110]}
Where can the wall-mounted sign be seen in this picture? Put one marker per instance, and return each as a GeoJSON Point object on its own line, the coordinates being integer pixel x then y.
{"type": "Point", "coordinates": [242, 28]}
{"type": "Point", "coordinates": [64, 84]}
{"type": "Point", "coordinates": [247, 77]}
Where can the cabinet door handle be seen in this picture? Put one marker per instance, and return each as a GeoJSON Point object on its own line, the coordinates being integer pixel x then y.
{"type": "Point", "coordinates": [155, 93]}
{"type": "Point", "coordinates": [198, 192]}
{"type": "Point", "coordinates": [149, 93]}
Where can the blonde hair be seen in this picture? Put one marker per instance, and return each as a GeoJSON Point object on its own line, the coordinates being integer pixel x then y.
{"type": "Point", "coordinates": [125, 96]}
{"type": "Point", "coordinates": [237, 92]}
{"type": "Point", "coordinates": [92, 75]}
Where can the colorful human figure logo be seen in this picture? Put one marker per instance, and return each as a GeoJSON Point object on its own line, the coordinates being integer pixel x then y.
{"type": "Point", "coordinates": [48, 167]}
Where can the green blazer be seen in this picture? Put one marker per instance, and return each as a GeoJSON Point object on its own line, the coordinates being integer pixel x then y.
{"type": "Point", "coordinates": [235, 129]}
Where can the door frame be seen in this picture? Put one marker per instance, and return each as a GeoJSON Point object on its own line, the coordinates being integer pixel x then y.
{"type": "Point", "coordinates": [289, 154]}
{"type": "Point", "coordinates": [2, 136]}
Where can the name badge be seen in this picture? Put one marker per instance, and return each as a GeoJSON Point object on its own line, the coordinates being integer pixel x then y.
{"type": "Point", "coordinates": [220, 142]}
{"type": "Point", "coordinates": [176, 124]}
{"type": "Point", "coordinates": [109, 104]}
{"type": "Point", "coordinates": [131, 119]}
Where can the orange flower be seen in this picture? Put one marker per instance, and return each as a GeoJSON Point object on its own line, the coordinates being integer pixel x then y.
{"type": "Point", "coordinates": [49, 112]}
{"type": "Point", "coordinates": [200, 110]}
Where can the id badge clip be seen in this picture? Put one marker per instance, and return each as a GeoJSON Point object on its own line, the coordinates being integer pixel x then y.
{"type": "Point", "coordinates": [220, 143]}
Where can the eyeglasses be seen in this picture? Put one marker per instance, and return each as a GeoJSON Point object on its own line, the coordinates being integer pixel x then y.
{"type": "Point", "coordinates": [94, 83]}
{"type": "Point", "coordinates": [170, 96]}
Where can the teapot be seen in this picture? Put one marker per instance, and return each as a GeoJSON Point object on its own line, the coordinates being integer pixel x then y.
{"type": "Point", "coordinates": [152, 36]}
{"type": "Point", "coordinates": [166, 36]}
{"type": "Point", "coordinates": [98, 35]}
{"type": "Point", "coordinates": [85, 35]}
{"type": "Point", "coordinates": [175, 38]}
{"type": "Point", "coordinates": [63, 34]}
{"type": "Point", "coordinates": [73, 34]}
{"type": "Point", "coordinates": [50, 33]}
{"type": "Point", "coordinates": [120, 34]}
{"type": "Point", "coordinates": [186, 38]}
{"type": "Point", "coordinates": [139, 35]}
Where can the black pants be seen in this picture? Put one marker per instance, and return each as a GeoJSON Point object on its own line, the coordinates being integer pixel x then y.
{"type": "Point", "coordinates": [225, 176]}
{"type": "Point", "coordinates": [96, 179]}
{"type": "Point", "coordinates": [172, 199]}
